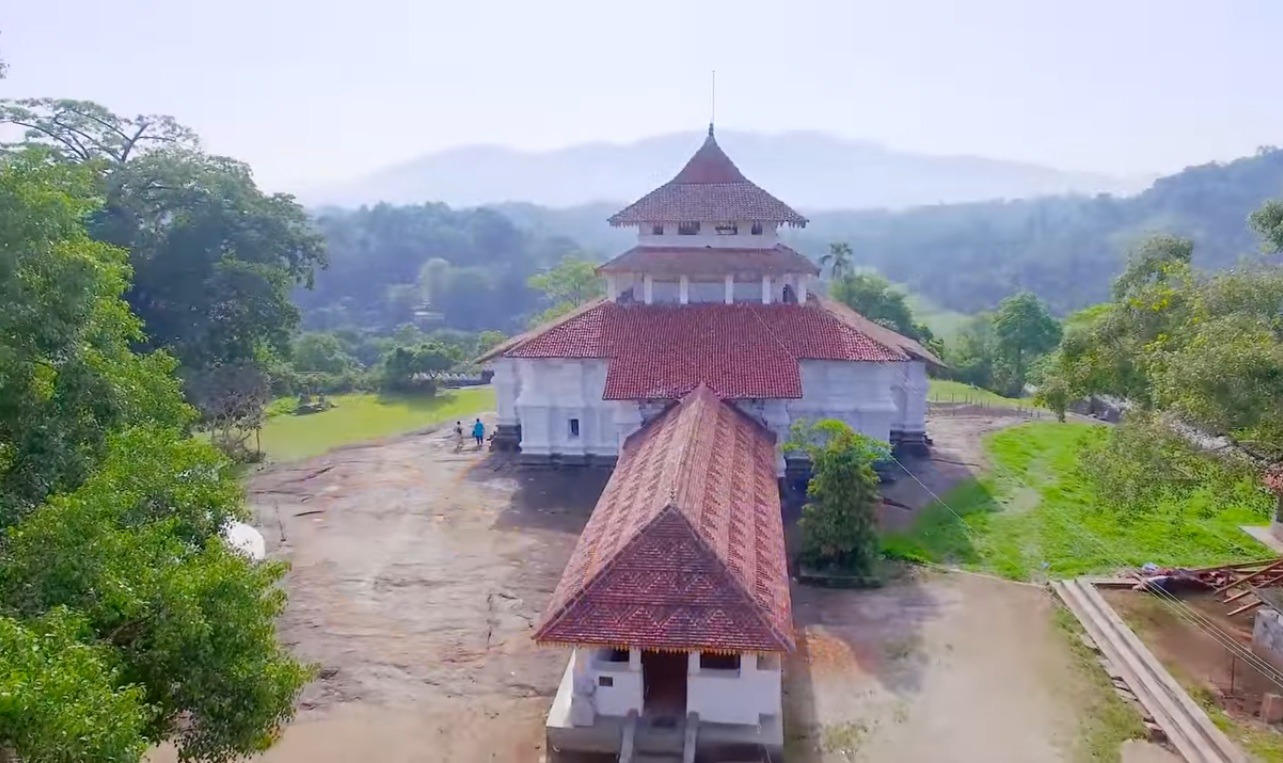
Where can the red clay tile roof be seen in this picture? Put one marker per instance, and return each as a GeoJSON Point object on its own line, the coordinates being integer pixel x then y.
{"type": "Point", "coordinates": [710, 261]}
{"type": "Point", "coordinates": [878, 332]}
{"type": "Point", "coordinates": [685, 548]}
{"type": "Point", "coordinates": [710, 187]}
{"type": "Point", "coordinates": [741, 351]}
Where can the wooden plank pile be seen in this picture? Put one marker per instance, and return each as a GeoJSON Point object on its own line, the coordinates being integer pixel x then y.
{"type": "Point", "coordinates": [1243, 590]}
{"type": "Point", "coordinates": [1185, 724]}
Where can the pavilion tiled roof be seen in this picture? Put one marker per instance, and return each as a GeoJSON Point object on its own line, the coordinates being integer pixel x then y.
{"type": "Point", "coordinates": [710, 261]}
{"type": "Point", "coordinates": [685, 549]}
{"type": "Point", "coordinates": [710, 187]}
{"type": "Point", "coordinates": [740, 351]}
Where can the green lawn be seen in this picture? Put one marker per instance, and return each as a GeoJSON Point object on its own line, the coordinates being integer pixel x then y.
{"type": "Point", "coordinates": [359, 417]}
{"type": "Point", "coordinates": [1031, 518]}
{"type": "Point", "coordinates": [945, 391]}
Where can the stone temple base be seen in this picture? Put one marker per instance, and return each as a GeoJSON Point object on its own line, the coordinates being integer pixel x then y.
{"type": "Point", "coordinates": [562, 460]}
{"type": "Point", "coordinates": [910, 444]}
{"type": "Point", "coordinates": [506, 439]}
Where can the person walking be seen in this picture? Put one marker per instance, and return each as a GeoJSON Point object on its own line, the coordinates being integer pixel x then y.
{"type": "Point", "coordinates": [458, 436]}
{"type": "Point", "coordinates": [479, 432]}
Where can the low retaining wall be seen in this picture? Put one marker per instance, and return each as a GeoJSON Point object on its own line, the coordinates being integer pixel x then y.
{"type": "Point", "coordinates": [1267, 636]}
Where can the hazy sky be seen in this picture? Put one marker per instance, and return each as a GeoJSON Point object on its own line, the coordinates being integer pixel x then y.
{"type": "Point", "coordinates": [310, 91]}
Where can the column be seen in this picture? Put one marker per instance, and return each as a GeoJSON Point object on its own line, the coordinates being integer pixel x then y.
{"type": "Point", "coordinates": [730, 289]}
{"type": "Point", "coordinates": [802, 281]}
{"type": "Point", "coordinates": [684, 290]}
{"type": "Point", "coordinates": [766, 290]}
{"type": "Point", "coordinates": [648, 289]}
{"type": "Point", "coordinates": [612, 288]}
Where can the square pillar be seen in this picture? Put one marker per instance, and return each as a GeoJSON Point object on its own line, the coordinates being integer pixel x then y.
{"type": "Point", "coordinates": [730, 289]}
{"type": "Point", "coordinates": [766, 290]}
{"type": "Point", "coordinates": [684, 290]}
{"type": "Point", "coordinates": [692, 663]}
{"type": "Point", "coordinates": [648, 289]}
{"type": "Point", "coordinates": [634, 659]}
{"type": "Point", "coordinates": [802, 282]}
{"type": "Point", "coordinates": [612, 288]}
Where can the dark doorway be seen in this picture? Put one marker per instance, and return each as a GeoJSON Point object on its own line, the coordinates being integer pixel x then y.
{"type": "Point", "coordinates": [664, 684]}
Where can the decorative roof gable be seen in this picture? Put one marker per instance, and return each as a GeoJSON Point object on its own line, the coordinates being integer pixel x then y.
{"type": "Point", "coordinates": [710, 187]}
{"type": "Point", "coordinates": [685, 548]}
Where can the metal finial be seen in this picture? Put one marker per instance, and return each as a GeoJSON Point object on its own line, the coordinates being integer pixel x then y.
{"type": "Point", "coordinates": [712, 116]}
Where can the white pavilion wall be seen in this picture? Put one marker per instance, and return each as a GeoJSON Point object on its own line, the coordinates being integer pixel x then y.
{"type": "Point", "coordinates": [551, 393]}
{"type": "Point", "coordinates": [859, 394]}
{"type": "Point", "coordinates": [544, 395]}
{"type": "Point", "coordinates": [910, 394]}
{"type": "Point", "coordinates": [708, 236]}
{"type": "Point", "coordinates": [739, 696]}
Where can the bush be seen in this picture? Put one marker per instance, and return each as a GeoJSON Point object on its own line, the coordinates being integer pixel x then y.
{"type": "Point", "coordinates": [839, 521]}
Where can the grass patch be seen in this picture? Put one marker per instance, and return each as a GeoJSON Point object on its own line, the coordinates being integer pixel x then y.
{"type": "Point", "coordinates": [946, 391]}
{"type": "Point", "coordinates": [359, 417]}
{"type": "Point", "coordinates": [1031, 518]}
{"type": "Point", "coordinates": [1106, 720]}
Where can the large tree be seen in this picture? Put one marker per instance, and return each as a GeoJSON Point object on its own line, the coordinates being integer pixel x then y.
{"type": "Point", "coordinates": [124, 620]}
{"type": "Point", "coordinates": [1023, 332]}
{"type": "Point", "coordinates": [214, 258]}
{"type": "Point", "coordinates": [571, 283]}
{"type": "Point", "coordinates": [875, 298]}
{"type": "Point", "coordinates": [838, 260]}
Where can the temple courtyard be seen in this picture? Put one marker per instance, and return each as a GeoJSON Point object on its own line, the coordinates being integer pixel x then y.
{"type": "Point", "coordinates": [418, 571]}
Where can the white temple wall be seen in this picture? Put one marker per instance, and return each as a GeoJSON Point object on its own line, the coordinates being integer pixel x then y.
{"type": "Point", "coordinates": [608, 687]}
{"type": "Point", "coordinates": [545, 394]}
{"type": "Point", "coordinates": [507, 387]}
{"type": "Point", "coordinates": [910, 393]}
{"type": "Point", "coordinates": [708, 236]}
{"type": "Point", "coordinates": [560, 408]}
{"type": "Point", "coordinates": [859, 394]}
{"type": "Point", "coordinates": [740, 696]}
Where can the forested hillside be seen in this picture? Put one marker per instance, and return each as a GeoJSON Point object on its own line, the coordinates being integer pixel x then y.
{"type": "Point", "coordinates": [464, 269]}
{"type": "Point", "coordinates": [967, 257]}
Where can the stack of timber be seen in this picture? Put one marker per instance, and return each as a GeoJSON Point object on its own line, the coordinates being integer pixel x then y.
{"type": "Point", "coordinates": [1187, 727]}
{"type": "Point", "coordinates": [1243, 591]}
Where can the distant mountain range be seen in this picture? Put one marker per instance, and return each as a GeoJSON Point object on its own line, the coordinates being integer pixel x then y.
{"type": "Point", "coordinates": [809, 170]}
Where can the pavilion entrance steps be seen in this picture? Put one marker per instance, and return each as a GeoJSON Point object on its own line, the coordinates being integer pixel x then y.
{"type": "Point", "coordinates": [1187, 727]}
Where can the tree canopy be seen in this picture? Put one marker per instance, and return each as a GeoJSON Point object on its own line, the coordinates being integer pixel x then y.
{"type": "Point", "coordinates": [213, 258]}
{"type": "Point", "coordinates": [875, 298]}
{"type": "Point", "coordinates": [124, 619]}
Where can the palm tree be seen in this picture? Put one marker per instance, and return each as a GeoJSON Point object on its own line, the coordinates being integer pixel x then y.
{"type": "Point", "coordinates": [838, 260]}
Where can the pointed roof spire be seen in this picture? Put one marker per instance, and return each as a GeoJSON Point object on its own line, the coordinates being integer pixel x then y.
{"type": "Point", "coordinates": [709, 187]}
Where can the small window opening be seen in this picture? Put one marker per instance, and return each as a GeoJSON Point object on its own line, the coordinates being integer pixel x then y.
{"type": "Point", "coordinates": [688, 229]}
{"type": "Point", "coordinates": [728, 229]}
{"type": "Point", "coordinates": [718, 661]}
{"type": "Point", "coordinates": [605, 680]}
{"type": "Point", "coordinates": [574, 427]}
{"type": "Point", "coordinates": [657, 230]}
{"type": "Point", "coordinates": [757, 229]}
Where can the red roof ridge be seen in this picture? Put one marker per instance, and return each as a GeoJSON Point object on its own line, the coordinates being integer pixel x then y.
{"type": "Point", "coordinates": [876, 331]}
{"type": "Point", "coordinates": [715, 580]}
{"type": "Point", "coordinates": [513, 343]}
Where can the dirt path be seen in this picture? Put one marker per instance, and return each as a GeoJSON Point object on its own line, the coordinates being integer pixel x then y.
{"type": "Point", "coordinates": [417, 573]}
{"type": "Point", "coordinates": [942, 668]}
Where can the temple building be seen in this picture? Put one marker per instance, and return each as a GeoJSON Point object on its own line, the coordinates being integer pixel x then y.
{"type": "Point", "coordinates": [675, 602]}
{"type": "Point", "coordinates": [708, 296]}
{"type": "Point", "coordinates": [710, 343]}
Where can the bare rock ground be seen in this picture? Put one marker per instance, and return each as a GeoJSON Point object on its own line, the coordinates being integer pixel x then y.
{"type": "Point", "coordinates": [418, 572]}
